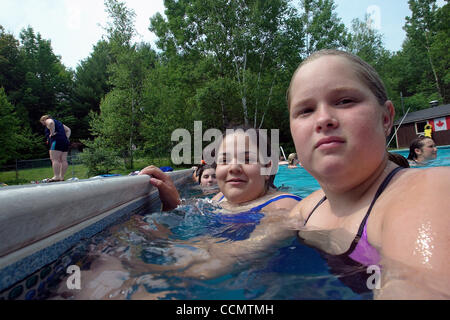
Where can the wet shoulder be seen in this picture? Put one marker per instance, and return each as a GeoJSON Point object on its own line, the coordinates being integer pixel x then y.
{"type": "Point", "coordinates": [287, 201]}
{"type": "Point", "coordinates": [417, 182]}
{"type": "Point", "coordinates": [217, 197]}
{"type": "Point", "coordinates": [303, 208]}
{"type": "Point", "coordinates": [417, 209]}
{"type": "Point", "coordinates": [416, 192]}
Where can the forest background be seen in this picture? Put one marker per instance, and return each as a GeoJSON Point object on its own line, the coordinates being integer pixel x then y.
{"type": "Point", "coordinates": [221, 62]}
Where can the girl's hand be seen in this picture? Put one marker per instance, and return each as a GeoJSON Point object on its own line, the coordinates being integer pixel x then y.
{"type": "Point", "coordinates": [168, 193]}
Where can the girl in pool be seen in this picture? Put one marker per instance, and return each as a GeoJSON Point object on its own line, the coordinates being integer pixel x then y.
{"type": "Point", "coordinates": [253, 215]}
{"type": "Point", "coordinates": [239, 177]}
{"type": "Point", "coordinates": [369, 211]}
{"type": "Point", "coordinates": [292, 161]}
{"type": "Point", "coordinates": [247, 194]}
{"type": "Point", "coordinates": [422, 150]}
{"type": "Point", "coordinates": [207, 176]}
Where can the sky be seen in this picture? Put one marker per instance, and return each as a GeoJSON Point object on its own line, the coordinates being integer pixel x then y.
{"type": "Point", "coordinates": [75, 26]}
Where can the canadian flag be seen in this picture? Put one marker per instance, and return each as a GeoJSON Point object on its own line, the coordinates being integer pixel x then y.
{"type": "Point", "coordinates": [440, 124]}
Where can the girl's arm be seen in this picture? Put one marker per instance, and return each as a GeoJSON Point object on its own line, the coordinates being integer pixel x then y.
{"type": "Point", "coordinates": [416, 239]}
{"type": "Point", "coordinates": [67, 131]}
{"type": "Point", "coordinates": [221, 257]}
{"type": "Point", "coordinates": [50, 124]}
{"type": "Point", "coordinates": [217, 196]}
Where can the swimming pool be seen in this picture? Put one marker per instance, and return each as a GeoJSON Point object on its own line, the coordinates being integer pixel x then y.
{"type": "Point", "coordinates": [301, 183]}
{"type": "Point", "coordinates": [295, 271]}
{"type": "Point", "coordinates": [443, 157]}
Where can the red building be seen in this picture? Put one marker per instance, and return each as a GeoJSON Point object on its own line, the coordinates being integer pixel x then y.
{"type": "Point", "coordinates": [414, 124]}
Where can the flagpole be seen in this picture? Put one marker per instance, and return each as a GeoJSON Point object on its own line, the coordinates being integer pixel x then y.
{"type": "Point", "coordinates": [283, 153]}
{"type": "Point", "coordinates": [395, 133]}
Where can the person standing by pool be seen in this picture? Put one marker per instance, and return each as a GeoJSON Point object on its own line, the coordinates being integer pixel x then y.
{"type": "Point", "coordinates": [422, 150]}
{"type": "Point", "coordinates": [57, 135]}
{"type": "Point", "coordinates": [340, 117]}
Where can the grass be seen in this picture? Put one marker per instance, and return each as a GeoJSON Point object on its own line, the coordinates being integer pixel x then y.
{"type": "Point", "coordinates": [25, 176]}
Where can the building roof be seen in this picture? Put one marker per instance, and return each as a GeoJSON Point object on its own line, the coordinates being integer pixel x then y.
{"type": "Point", "coordinates": [426, 114]}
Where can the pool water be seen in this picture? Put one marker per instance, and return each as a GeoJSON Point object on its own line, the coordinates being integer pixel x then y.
{"type": "Point", "coordinates": [299, 182]}
{"type": "Point", "coordinates": [294, 271]}
{"type": "Point", "coordinates": [443, 157]}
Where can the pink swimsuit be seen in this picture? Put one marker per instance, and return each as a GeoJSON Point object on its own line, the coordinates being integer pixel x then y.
{"type": "Point", "coordinates": [351, 266]}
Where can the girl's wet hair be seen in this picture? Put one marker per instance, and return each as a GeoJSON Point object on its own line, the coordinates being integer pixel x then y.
{"type": "Point", "coordinates": [291, 159]}
{"type": "Point", "coordinates": [45, 117]}
{"type": "Point", "coordinates": [202, 169]}
{"type": "Point", "coordinates": [364, 71]}
{"type": "Point", "coordinates": [417, 143]}
{"type": "Point", "coordinates": [398, 159]}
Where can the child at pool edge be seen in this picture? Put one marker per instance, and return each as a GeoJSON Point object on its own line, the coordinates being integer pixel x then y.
{"type": "Point", "coordinates": [340, 118]}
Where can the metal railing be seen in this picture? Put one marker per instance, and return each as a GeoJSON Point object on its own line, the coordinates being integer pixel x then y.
{"type": "Point", "coordinates": [21, 165]}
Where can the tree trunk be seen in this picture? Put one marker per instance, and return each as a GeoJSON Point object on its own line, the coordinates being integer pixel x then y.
{"type": "Point", "coordinates": [130, 148]}
{"type": "Point", "coordinates": [433, 69]}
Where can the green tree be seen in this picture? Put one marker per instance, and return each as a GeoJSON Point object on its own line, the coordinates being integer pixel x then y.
{"type": "Point", "coordinates": [9, 130]}
{"type": "Point", "coordinates": [16, 140]}
{"type": "Point", "coordinates": [421, 30]}
{"type": "Point", "coordinates": [168, 103]}
{"type": "Point", "coordinates": [250, 42]}
{"type": "Point", "coordinates": [47, 84]}
{"type": "Point", "coordinates": [11, 75]}
{"type": "Point", "coordinates": [366, 42]}
{"type": "Point", "coordinates": [117, 126]}
{"type": "Point", "coordinates": [322, 27]}
{"type": "Point", "coordinates": [440, 50]}
{"type": "Point", "coordinates": [91, 84]}
{"type": "Point", "coordinates": [99, 158]}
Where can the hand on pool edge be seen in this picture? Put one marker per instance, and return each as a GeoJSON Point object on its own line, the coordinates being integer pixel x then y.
{"type": "Point", "coordinates": [168, 193]}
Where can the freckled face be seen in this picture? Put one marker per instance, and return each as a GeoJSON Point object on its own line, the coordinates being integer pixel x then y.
{"type": "Point", "coordinates": [337, 124]}
{"type": "Point", "coordinates": [238, 171]}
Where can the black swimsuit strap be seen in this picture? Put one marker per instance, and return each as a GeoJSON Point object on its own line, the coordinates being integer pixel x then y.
{"type": "Point", "coordinates": [381, 188]}
{"type": "Point", "coordinates": [377, 194]}
{"type": "Point", "coordinates": [317, 205]}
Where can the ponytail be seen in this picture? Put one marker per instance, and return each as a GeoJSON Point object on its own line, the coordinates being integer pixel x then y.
{"type": "Point", "coordinates": [398, 159]}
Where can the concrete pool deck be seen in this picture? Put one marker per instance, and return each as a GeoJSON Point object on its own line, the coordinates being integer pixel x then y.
{"type": "Point", "coordinates": [38, 223]}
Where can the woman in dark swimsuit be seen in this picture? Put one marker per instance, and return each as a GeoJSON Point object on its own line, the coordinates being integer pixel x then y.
{"type": "Point", "coordinates": [57, 135]}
